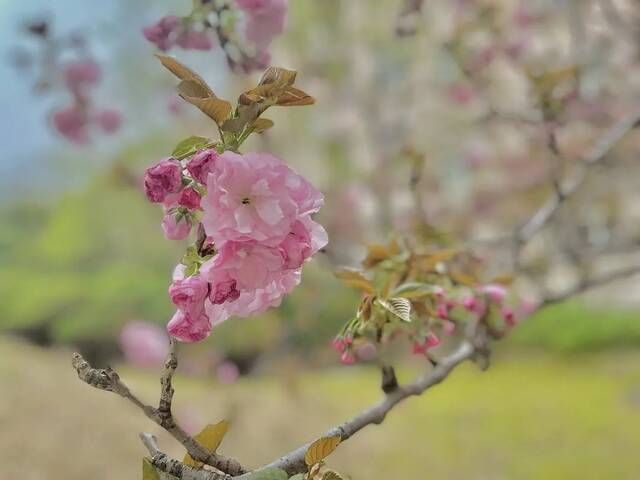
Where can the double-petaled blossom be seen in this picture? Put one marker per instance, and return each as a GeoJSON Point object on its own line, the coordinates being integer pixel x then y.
{"type": "Point", "coordinates": [257, 214]}
{"type": "Point", "coordinates": [255, 197]}
{"type": "Point", "coordinates": [162, 179]}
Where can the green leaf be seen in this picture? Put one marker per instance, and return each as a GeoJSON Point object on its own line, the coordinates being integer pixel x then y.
{"type": "Point", "coordinates": [210, 438]}
{"type": "Point", "coordinates": [149, 472]}
{"type": "Point", "coordinates": [331, 475]}
{"type": "Point", "coordinates": [189, 146]}
{"type": "Point", "coordinates": [321, 449]}
{"type": "Point", "coordinates": [415, 290]}
{"type": "Point", "coordinates": [271, 473]}
{"type": "Point", "coordinates": [398, 306]}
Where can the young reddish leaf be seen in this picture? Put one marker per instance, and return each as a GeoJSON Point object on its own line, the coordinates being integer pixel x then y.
{"type": "Point", "coordinates": [293, 97]}
{"type": "Point", "coordinates": [262, 124]}
{"type": "Point", "coordinates": [278, 76]}
{"type": "Point", "coordinates": [210, 438]}
{"type": "Point", "coordinates": [355, 279]}
{"type": "Point", "coordinates": [215, 108]}
{"type": "Point", "coordinates": [183, 72]}
{"type": "Point", "coordinates": [321, 449]}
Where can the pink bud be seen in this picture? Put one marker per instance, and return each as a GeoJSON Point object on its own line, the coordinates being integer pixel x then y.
{"type": "Point", "coordinates": [509, 316]}
{"type": "Point", "coordinates": [496, 293]}
{"type": "Point", "coordinates": [189, 198]}
{"type": "Point", "coordinates": [339, 344]}
{"type": "Point", "coordinates": [348, 358]}
{"type": "Point", "coordinates": [192, 40]}
{"type": "Point", "coordinates": [432, 340]}
{"type": "Point", "coordinates": [442, 312]}
{"type": "Point", "coordinates": [201, 164]}
{"type": "Point", "coordinates": [448, 327]}
{"type": "Point", "coordinates": [419, 348]}
{"type": "Point", "coordinates": [188, 294]}
{"type": "Point", "coordinates": [470, 303]}
{"type": "Point", "coordinates": [163, 178]}
{"type": "Point", "coordinates": [228, 372]}
{"type": "Point", "coordinates": [174, 228]}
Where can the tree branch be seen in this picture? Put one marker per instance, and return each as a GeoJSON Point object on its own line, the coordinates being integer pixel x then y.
{"type": "Point", "coordinates": [163, 462]}
{"type": "Point", "coordinates": [293, 462]}
{"type": "Point", "coordinates": [107, 379]}
{"type": "Point", "coordinates": [562, 191]}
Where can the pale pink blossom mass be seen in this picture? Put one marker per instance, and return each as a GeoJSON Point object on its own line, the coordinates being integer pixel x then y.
{"type": "Point", "coordinates": [257, 213]}
{"type": "Point", "coordinates": [144, 344]}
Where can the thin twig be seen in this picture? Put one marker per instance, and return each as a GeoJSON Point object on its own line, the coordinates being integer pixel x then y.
{"type": "Point", "coordinates": [589, 283]}
{"type": "Point", "coordinates": [293, 462]}
{"type": "Point", "coordinates": [163, 462]}
{"type": "Point", "coordinates": [107, 379]}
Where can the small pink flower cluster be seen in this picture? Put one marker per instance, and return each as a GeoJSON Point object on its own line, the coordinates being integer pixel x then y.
{"type": "Point", "coordinates": [262, 21]}
{"type": "Point", "coordinates": [170, 31]}
{"type": "Point", "coordinates": [257, 212]}
{"type": "Point", "coordinates": [144, 344]}
{"type": "Point", "coordinates": [73, 122]}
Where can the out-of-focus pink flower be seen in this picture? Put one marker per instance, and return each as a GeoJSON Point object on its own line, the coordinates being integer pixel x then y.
{"type": "Point", "coordinates": [442, 312]}
{"type": "Point", "coordinates": [255, 197]}
{"type": "Point", "coordinates": [448, 327]}
{"type": "Point", "coordinates": [496, 293]}
{"type": "Point", "coordinates": [80, 74]}
{"type": "Point", "coordinates": [430, 341]}
{"type": "Point", "coordinates": [108, 120]}
{"type": "Point", "coordinates": [175, 226]}
{"type": "Point", "coordinates": [201, 164]}
{"type": "Point", "coordinates": [339, 344]}
{"type": "Point", "coordinates": [189, 293]}
{"type": "Point", "coordinates": [174, 105]}
{"type": "Point", "coordinates": [163, 178]}
{"type": "Point", "coordinates": [264, 20]}
{"type": "Point", "coordinates": [460, 93]}
{"type": "Point", "coordinates": [161, 33]}
{"type": "Point", "coordinates": [509, 316]}
{"type": "Point", "coordinates": [228, 372]}
{"type": "Point", "coordinates": [71, 123]}
{"type": "Point", "coordinates": [194, 40]}
{"type": "Point", "coordinates": [366, 352]}
{"type": "Point", "coordinates": [189, 198]}
{"type": "Point", "coordinates": [348, 358]}
{"type": "Point", "coordinates": [144, 344]}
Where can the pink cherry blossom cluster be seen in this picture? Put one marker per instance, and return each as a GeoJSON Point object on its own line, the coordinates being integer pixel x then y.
{"type": "Point", "coordinates": [451, 310]}
{"type": "Point", "coordinates": [247, 43]}
{"type": "Point", "coordinates": [77, 77]}
{"type": "Point", "coordinates": [256, 213]}
{"type": "Point", "coordinates": [75, 121]}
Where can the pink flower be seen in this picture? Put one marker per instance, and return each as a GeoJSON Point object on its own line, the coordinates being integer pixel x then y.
{"type": "Point", "coordinates": [163, 178]}
{"type": "Point", "coordinates": [496, 293]}
{"type": "Point", "coordinates": [442, 312]}
{"type": "Point", "coordinates": [348, 358]}
{"type": "Point", "coordinates": [460, 93]}
{"type": "Point", "coordinates": [470, 303]}
{"type": "Point", "coordinates": [80, 74]}
{"type": "Point", "coordinates": [228, 372]}
{"type": "Point", "coordinates": [144, 344]}
{"type": "Point", "coordinates": [189, 198]}
{"type": "Point", "coordinates": [509, 316]}
{"type": "Point", "coordinates": [255, 197]}
{"type": "Point", "coordinates": [189, 327]}
{"type": "Point", "coordinates": [264, 20]}
{"type": "Point", "coordinates": [253, 302]}
{"type": "Point", "coordinates": [432, 340]}
{"type": "Point", "coordinates": [161, 33]}
{"type": "Point", "coordinates": [224, 291]}
{"type": "Point", "coordinates": [108, 120]}
{"type": "Point", "coordinates": [188, 294]}
{"type": "Point", "coordinates": [304, 240]}
{"type": "Point", "coordinates": [448, 327]}
{"type": "Point", "coordinates": [176, 226]}
{"type": "Point", "coordinates": [194, 40]}
{"type": "Point", "coordinates": [201, 164]}
{"type": "Point", "coordinates": [71, 123]}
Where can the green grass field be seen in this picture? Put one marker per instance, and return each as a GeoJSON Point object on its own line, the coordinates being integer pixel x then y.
{"type": "Point", "coordinates": [528, 417]}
